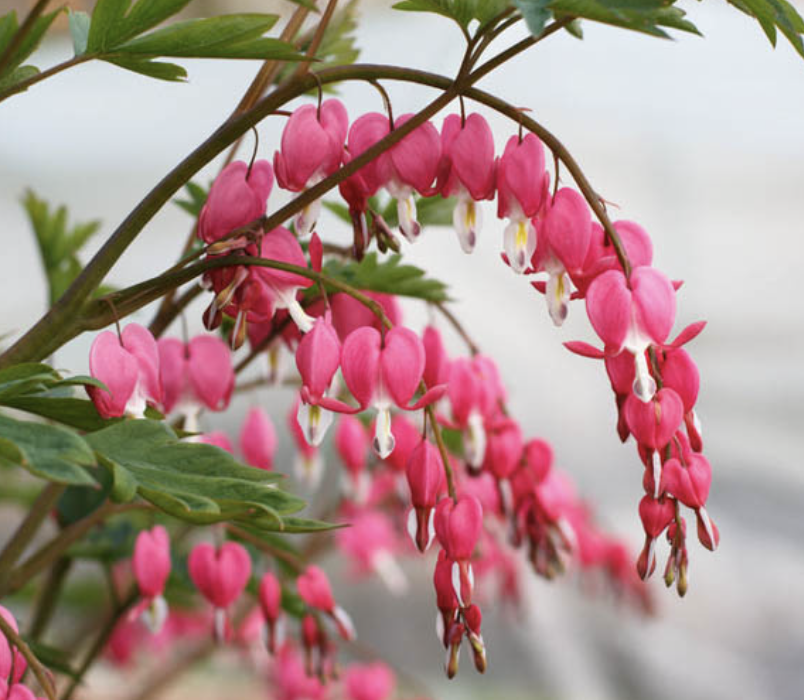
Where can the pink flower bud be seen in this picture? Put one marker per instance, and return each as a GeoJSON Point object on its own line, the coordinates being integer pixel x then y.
{"type": "Point", "coordinates": [352, 443]}
{"type": "Point", "coordinates": [258, 439]}
{"type": "Point", "coordinates": [151, 561]}
{"type": "Point", "coordinates": [436, 365]}
{"type": "Point", "coordinates": [425, 474]}
{"type": "Point", "coordinates": [369, 681]}
{"type": "Point", "coordinates": [235, 199]}
{"type": "Point", "coordinates": [653, 424]}
{"type": "Point", "coordinates": [348, 314]}
{"type": "Point", "coordinates": [503, 449]}
{"type": "Point", "coordinates": [314, 589]}
{"type": "Point", "coordinates": [458, 526]}
{"type": "Point", "coordinates": [689, 484]}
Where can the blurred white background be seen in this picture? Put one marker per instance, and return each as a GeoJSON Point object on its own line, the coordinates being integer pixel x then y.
{"type": "Point", "coordinates": [699, 140]}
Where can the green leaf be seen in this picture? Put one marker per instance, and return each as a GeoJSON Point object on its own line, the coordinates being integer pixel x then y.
{"type": "Point", "coordinates": [535, 13]}
{"type": "Point", "coordinates": [17, 76]}
{"type": "Point", "coordinates": [153, 69]}
{"type": "Point", "coordinates": [58, 244]}
{"type": "Point", "coordinates": [225, 36]}
{"type": "Point", "coordinates": [79, 31]}
{"type": "Point", "coordinates": [292, 524]}
{"type": "Point", "coordinates": [773, 14]}
{"type": "Point", "coordinates": [48, 451]}
{"type": "Point", "coordinates": [107, 24]}
{"type": "Point", "coordinates": [77, 413]}
{"type": "Point", "coordinates": [462, 11]}
{"type": "Point", "coordinates": [389, 276]}
{"type": "Point", "coordinates": [647, 16]}
{"type": "Point", "coordinates": [195, 202]}
{"type": "Point", "coordinates": [8, 28]}
{"type": "Point", "coordinates": [196, 482]}
{"type": "Point", "coordinates": [79, 501]}
{"type": "Point", "coordinates": [55, 659]}
{"type": "Point", "coordinates": [25, 378]}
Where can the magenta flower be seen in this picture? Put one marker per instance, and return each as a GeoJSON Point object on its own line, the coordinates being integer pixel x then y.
{"type": "Point", "coordinates": [381, 374]}
{"type": "Point", "coordinates": [314, 589]}
{"type": "Point", "coordinates": [352, 444]}
{"type": "Point", "coordinates": [374, 681]}
{"type": "Point", "coordinates": [312, 149]}
{"type": "Point", "coordinates": [563, 243]}
{"type": "Point", "coordinates": [258, 439]}
{"type": "Point", "coordinates": [236, 198]}
{"type": "Point", "coordinates": [458, 526]}
{"type": "Point", "coordinates": [195, 376]}
{"type": "Point", "coordinates": [270, 596]}
{"type": "Point", "coordinates": [348, 314]}
{"type": "Point", "coordinates": [467, 171]}
{"type": "Point", "coordinates": [151, 564]}
{"type": "Point", "coordinates": [522, 187]}
{"type": "Point", "coordinates": [318, 357]}
{"type": "Point", "coordinates": [129, 367]}
{"type": "Point", "coordinates": [221, 576]}
{"type": "Point", "coordinates": [425, 475]}
{"type": "Point", "coordinates": [409, 166]}
{"type": "Point", "coordinates": [632, 314]}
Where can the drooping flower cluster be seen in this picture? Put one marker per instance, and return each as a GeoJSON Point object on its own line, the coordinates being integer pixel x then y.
{"type": "Point", "coordinates": [426, 441]}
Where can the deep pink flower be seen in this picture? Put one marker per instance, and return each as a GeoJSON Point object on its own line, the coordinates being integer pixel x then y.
{"type": "Point", "coordinates": [220, 575]}
{"type": "Point", "coordinates": [383, 374]}
{"type": "Point", "coordinates": [258, 439]}
{"type": "Point", "coordinates": [312, 148]}
{"type": "Point", "coordinates": [317, 359]}
{"type": "Point", "coordinates": [436, 365]}
{"type": "Point", "coordinates": [129, 367]}
{"type": "Point", "coordinates": [236, 198]}
{"type": "Point", "coordinates": [315, 590]}
{"type": "Point", "coordinates": [563, 243]}
{"type": "Point", "coordinates": [467, 170]}
{"type": "Point", "coordinates": [632, 314]}
{"type": "Point", "coordinates": [270, 596]}
{"type": "Point", "coordinates": [458, 526]}
{"type": "Point", "coordinates": [348, 314]}
{"type": "Point", "coordinates": [425, 475]}
{"type": "Point", "coordinates": [196, 375]}
{"type": "Point", "coordinates": [369, 681]}
{"type": "Point", "coordinates": [151, 564]}
{"type": "Point", "coordinates": [522, 187]}
{"type": "Point", "coordinates": [371, 543]}
{"type": "Point", "coordinates": [352, 443]}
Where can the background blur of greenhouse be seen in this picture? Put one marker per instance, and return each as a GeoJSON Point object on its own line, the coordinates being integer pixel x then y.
{"type": "Point", "coordinates": [699, 140]}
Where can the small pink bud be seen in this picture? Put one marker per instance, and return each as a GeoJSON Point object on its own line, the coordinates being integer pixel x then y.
{"type": "Point", "coordinates": [220, 575]}
{"type": "Point", "coordinates": [258, 439]}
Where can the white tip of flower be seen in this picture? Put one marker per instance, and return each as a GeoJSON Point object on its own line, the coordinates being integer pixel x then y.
{"type": "Point", "coordinates": [467, 219]}
{"type": "Point", "coordinates": [383, 442]}
{"type": "Point", "coordinates": [388, 569]}
{"type": "Point", "coordinates": [430, 529]}
{"type": "Point", "coordinates": [456, 582]}
{"type": "Point", "coordinates": [657, 474]}
{"type": "Point", "coordinates": [474, 443]}
{"type": "Point", "coordinates": [519, 241]}
{"type": "Point", "coordinates": [280, 632]}
{"type": "Point", "coordinates": [406, 211]}
{"type": "Point", "coordinates": [303, 321]}
{"type": "Point", "coordinates": [707, 523]}
{"type": "Point", "coordinates": [696, 421]}
{"type": "Point", "coordinates": [307, 218]}
{"type": "Point", "coordinates": [220, 625]}
{"type": "Point", "coordinates": [412, 525]}
{"type": "Point", "coordinates": [308, 470]}
{"type": "Point", "coordinates": [314, 422]}
{"type": "Point", "coordinates": [651, 558]}
{"type": "Point", "coordinates": [136, 405]}
{"type": "Point", "coordinates": [440, 627]}
{"type": "Point", "coordinates": [558, 296]}
{"type": "Point", "coordinates": [346, 627]}
{"type": "Point", "coordinates": [155, 614]}
{"type": "Point", "coordinates": [644, 384]}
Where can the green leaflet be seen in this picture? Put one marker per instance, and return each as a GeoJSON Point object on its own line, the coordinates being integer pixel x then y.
{"type": "Point", "coordinates": [47, 451]}
{"type": "Point", "coordinates": [195, 482]}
